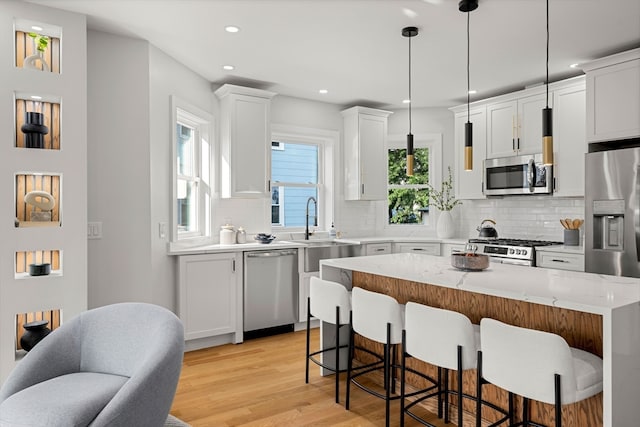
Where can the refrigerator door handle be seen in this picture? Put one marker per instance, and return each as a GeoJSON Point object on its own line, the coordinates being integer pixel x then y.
{"type": "Point", "coordinates": [636, 214]}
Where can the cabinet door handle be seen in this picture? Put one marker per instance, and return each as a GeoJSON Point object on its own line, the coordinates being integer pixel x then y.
{"type": "Point", "coordinates": [362, 189]}
{"type": "Point", "coordinates": [233, 265]}
{"type": "Point", "coordinates": [518, 143]}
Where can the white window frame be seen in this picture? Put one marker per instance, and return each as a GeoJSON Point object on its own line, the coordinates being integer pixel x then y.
{"type": "Point", "coordinates": [326, 141]}
{"type": "Point", "coordinates": [433, 142]}
{"type": "Point", "coordinates": [202, 122]}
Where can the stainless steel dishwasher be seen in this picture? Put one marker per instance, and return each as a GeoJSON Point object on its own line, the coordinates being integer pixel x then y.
{"type": "Point", "coordinates": [270, 292]}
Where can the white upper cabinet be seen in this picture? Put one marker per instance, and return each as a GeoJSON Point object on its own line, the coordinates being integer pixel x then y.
{"type": "Point", "coordinates": [245, 145]}
{"type": "Point", "coordinates": [570, 144]}
{"type": "Point", "coordinates": [468, 184]}
{"type": "Point", "coordinates": [514, 127]}
{"type": "Point", "coordinates": [613, 97]}
{"type": "Point", "coordinates": [365, 159]}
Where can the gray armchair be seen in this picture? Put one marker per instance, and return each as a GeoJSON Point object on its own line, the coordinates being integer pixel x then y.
{"type": "Point", "coordinates": [116, 365]}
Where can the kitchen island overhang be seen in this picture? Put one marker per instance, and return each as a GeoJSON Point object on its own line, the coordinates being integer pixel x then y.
{"type": "Point", "coordinates": [598, 313]}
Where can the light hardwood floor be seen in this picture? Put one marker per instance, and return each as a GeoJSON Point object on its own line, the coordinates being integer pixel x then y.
{"type": "Point", "coordinates": [261, 383]}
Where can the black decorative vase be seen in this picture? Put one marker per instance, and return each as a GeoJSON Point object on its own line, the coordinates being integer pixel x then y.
{"type": "Point", "coordinates": [34, 332]}
{"type": "Point", "coordinates": [34, 130]}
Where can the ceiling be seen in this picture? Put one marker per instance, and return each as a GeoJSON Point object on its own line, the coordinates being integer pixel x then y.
{"type": "Point", "coordinates": [355, 50]}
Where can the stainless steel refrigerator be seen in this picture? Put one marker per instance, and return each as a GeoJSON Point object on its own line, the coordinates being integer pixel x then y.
{"type": "Point", "coordinates": [612, 212]}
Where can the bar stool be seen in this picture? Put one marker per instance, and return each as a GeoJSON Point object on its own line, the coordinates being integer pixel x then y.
{"type": "Point", "coordinates": [330, 302]}
{"type": "Point", "coordinates": [379, 318]}
{"type": "Point", "coordinates": [446, 339]}
{"type": "Point", "coordinates": [536, 365]}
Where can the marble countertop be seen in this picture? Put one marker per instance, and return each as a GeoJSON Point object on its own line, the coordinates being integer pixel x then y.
{"type": "Point", "coordinates": [587, 292]}
{"type": "Point", "coordinates": [286, 244]}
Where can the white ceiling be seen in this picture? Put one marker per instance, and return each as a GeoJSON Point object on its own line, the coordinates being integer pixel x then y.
{"type": "Point", "coordinates": [355, 50]}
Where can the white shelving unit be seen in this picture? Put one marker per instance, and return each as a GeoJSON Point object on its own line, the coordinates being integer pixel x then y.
{"type": "Point", "coordinates": [59, 168]}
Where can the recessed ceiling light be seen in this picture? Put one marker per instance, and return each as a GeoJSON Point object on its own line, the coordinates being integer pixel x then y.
{"type": "Point", "coordinates": [472, 92]}
{"type": "Point", "coordinates": [574, 65]}
{"type": "Point", "coordinates": [323, 91]}
{"type": "Point", "coordinates": [228, 67]}
{"type": "Point", "coordinates": [406, 101]}
{"type": "Point", "coordinates": [231, 29]}
{"type": "Point", "coordinates": [36, 28]}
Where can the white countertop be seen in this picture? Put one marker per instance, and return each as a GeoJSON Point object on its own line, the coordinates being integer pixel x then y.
{"type": "Point", "coordinates": [587, 292]}
{"type": "Point", "coordinates": [285, 244]}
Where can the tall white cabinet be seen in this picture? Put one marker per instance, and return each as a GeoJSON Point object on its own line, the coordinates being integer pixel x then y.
{"type": "Point", "coordinates": [365, 140]}
{"type": "Point", "coordinates": [50, 233]}
{"type": "Point", "coordinates": [245, 142]}
{"type": "Point", "coordinates": [613, 97]}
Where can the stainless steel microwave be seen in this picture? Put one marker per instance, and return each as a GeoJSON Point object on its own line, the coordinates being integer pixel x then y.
{"type": "Point", "coordinates": [518, 175]}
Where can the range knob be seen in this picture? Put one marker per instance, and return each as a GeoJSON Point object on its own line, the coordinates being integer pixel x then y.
{"type": "Point", "coordinates": [517, 251]}
{"type": "Point", "coordinates": [524, 252]}
{"type": "Point", "coordinates": [511, 251]}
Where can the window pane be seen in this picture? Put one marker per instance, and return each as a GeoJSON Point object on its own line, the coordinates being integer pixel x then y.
{"type": "Point", "coordinates": [293, 206]}
{"type": "Point", "coordinates": [295, 163]}
{"type": "Point", "coordinates": [408, 205]}
{"type": "Point", "coordinates": [398, 164]}
{"type": "Point", "coordinates": [185, 141]}
{"type": "Point", "coordinates": [187, 206]}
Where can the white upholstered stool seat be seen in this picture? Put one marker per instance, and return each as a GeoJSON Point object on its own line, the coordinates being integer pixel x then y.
{"type": "Point", "coordinates": [536, 365]}
{"type": "Point", "coordinates": [330, 302]}
{"type": "Point", "coordinates": [446, 339]}
{"type": "Point", "coordinates": [379, 318]}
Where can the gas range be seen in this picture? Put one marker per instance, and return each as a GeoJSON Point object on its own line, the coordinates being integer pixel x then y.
{"type": "Point", "coordinates": [510, 251]}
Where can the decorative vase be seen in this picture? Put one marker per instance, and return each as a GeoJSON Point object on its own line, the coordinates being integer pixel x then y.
{"type": "Point", "coordinates": [34, 332]}
{"type": "Point", "coordinates": [444, 227]}
{"type": "Point", "coordinates": [34, 130]}
{"type": "Point", "coordinates": [36, 62]}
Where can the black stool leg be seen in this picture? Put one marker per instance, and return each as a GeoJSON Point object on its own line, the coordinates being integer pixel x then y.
{"type": "Point", "coordinates": [349, 364]}
{"type": "Point", "coordinates": [337, 354]}
{"type": "Point", "coordinates": [306, 378]}
{"type": "Point", "coordinates": [479, 391]}
{"type": "Point", "coordinates": [440, 392]}
{"type": "Point", "coordinates": [460, 423]}
{"type": "Point", "coordinates": [403, 362]}
{"type": "Point", "coordinates": [558, 401]}
{"type": "Point", "coordinates": [446, 396]}
{"type": "Point", "coordinates": [511, 408]}
{"type": "Point", "coordinates": [387, 373]}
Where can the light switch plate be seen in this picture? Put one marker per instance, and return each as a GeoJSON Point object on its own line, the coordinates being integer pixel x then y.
{"type": "Point", "coordinates": [94, 230]}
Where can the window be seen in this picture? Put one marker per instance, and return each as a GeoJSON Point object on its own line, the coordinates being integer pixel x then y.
{"type": "Point", "coordinates": [408, 196]}
{"type": "Point", "coordinates": [301, 161]}
{"type": "Point", "coordinates": [192, 172]}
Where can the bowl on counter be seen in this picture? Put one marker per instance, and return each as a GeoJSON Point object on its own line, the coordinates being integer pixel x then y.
{"type": "Point", "coordinates": [39, 269]}
{"type": "Point", "coordinates": [264, 238]}
{"type": "Point", "coordinates": [469, 261]}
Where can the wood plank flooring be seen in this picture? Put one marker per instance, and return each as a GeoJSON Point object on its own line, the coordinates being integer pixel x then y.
{"type": "Point", "coordinates": [261, 383]}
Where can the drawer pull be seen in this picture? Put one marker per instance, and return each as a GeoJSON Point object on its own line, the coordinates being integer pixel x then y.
{"type": "Point", "coordinates": [559, 260]}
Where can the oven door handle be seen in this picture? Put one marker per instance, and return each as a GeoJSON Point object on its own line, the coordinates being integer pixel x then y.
{"type": "Point", "coordinates": [530, 175]}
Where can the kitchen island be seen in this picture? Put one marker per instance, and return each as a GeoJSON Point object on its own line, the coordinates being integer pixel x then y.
{"type": "Point", "coordinates": [597, 313]}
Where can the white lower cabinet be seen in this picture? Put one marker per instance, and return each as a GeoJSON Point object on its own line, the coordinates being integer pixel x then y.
{"type": "Point", "coordinates": [210, 295]}
{"type": "Point", "coordinates": [377, 248]}
{"type": "Point", "coordinates": [418, 248]}
{"type": "Point", "coordinates": [560, 260]}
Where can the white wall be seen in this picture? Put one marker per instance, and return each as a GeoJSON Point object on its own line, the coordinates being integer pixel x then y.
{"type": "Point", "coordinates": [118, 168]}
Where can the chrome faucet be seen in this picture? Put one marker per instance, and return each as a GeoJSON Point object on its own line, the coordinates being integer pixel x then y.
{"type": "Point", "coordinates": [315, 217]}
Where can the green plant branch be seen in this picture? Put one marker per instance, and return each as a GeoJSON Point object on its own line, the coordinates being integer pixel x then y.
{"type": "Point", "coordinates": [442, 199]}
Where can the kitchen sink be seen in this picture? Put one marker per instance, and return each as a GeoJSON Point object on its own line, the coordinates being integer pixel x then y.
{"type": "Point", "coordinates": [316, 250]}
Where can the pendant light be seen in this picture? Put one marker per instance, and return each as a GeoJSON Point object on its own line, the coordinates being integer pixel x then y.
{"type": "Point", "coordinates": [410, 32]}
{"type": "Point", "coordinates": [468, 6]}
{"type": "Point", "coordinates": [547, 114]}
